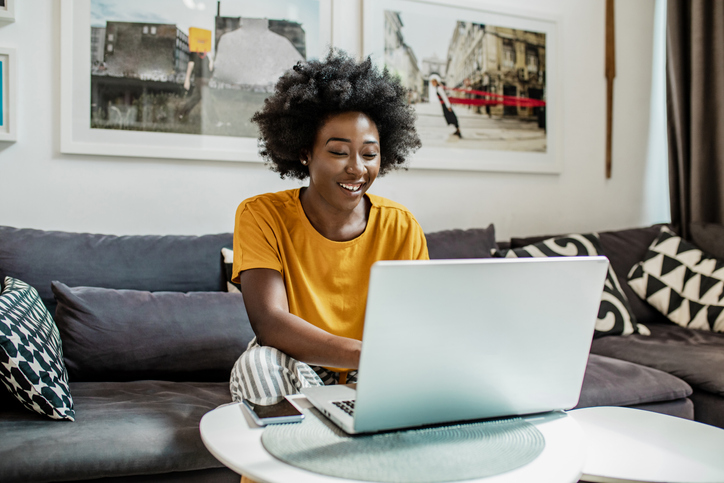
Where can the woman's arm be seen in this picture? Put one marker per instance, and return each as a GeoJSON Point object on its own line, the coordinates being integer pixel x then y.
{"type": "Point", "coordinates": [265, 297]}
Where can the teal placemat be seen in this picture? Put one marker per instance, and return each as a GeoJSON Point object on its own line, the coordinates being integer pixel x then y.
{"type": "Point", "coordinates": [427, 455]}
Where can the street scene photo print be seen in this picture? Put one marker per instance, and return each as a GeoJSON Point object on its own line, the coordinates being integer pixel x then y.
{"type": "Point", "coordinates": [473, 85]}
{"type": "Point", "coordinates": [193, 66]}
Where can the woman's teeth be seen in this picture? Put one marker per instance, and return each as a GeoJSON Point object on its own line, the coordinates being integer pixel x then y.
{"type": "Point", "coordinates": [351, 187]}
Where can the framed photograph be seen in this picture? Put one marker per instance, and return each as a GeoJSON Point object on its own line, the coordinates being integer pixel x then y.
{"type": "Point", "coordinates": [7, 10]}
{"type": "Point", "coordinates": [8, 87]}
{"type": "Point", "coordinates": [483, 81]}
{"type": "Point", "coordinates": [178, 79]}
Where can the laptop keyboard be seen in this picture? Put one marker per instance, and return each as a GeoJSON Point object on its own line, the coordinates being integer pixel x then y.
{"type": "Point", "coordinates": [346, 406]}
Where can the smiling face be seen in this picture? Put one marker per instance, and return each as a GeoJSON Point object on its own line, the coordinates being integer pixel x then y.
{"type": "Point", "coordinates": [343, 164]}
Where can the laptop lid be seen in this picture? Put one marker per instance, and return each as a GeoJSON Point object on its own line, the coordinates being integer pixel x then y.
{"type": "Point", "coordinates": [453, 340]}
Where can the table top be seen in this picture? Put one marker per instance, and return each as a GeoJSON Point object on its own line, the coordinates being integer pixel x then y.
{"type": "Point", "coordinates": [232, 437]}
{"type": "Point", "coordinates": [632, 445]}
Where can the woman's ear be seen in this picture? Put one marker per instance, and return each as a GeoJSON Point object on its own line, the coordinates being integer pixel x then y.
{"type": "Point", "coordinates": [304, 157]}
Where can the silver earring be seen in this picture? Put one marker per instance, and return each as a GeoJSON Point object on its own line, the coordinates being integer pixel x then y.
{"type": "Point", "coordinates": [304, 162]}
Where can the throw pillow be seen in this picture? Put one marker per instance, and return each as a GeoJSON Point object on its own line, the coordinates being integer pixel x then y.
{"type": "Point", "coordinates": [31, 355]}
{"type": "Point", "coordinates": [126, 335]}
{"type": "Point", "coordinates": [682, 282]}
{"type": "Point", "coordinates": [614, 315]}
{"type": "Point", "coordinates": [228, 256]}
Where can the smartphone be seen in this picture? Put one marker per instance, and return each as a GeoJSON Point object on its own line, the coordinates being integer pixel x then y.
{"type": "Point", "coordinates": [281, 412]}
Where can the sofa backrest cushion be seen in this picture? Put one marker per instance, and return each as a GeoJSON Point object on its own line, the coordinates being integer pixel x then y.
{"type": "Point", "coordinates": [709, 237]}
{"type": "Point", "coordinates": [472, 243]}
{"type": "Point", "coordinates": [152, 263]}
{"type": "Point", "coordinates": [125, 335]}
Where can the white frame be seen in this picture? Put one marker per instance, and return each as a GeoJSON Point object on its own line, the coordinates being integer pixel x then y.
{"type": "Point", "coordinates": [7, 13]}
{"type": "Point", "coordinates": [77, 137]}
{"type": "Point", "coordinates": [452, 158]}
{"type": "Point", "coordinates": [8, 130]}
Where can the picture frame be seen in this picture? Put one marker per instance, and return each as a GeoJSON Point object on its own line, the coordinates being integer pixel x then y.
{"type": "Point", "coordinates": [489, 51]}
{"type": "Point", "coordinates": [7, 10]}
{"type": "Point", "coordinates": [8, 95]}
{"type": "Point", "coordinates": [79, 132]}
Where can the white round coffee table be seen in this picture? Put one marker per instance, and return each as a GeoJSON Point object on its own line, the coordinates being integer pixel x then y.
{"type": "Point", "coordinates": [232, 437]}
{"type": "Point", "coordinates": [632, 445]}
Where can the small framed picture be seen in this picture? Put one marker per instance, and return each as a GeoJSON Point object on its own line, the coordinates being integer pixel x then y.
{"type": "Point", "coordinates": [8, 76]}
{"type": "Point", "coordinates": [7, 10]}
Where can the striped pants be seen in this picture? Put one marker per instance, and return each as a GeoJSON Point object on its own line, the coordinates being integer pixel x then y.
{"type": "Point", "coordinates": [264, 375]}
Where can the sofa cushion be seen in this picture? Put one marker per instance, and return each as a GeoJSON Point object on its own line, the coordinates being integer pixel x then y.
{"type": "Point", "coordinates": [709, 408]}
{"type": "Point", "coordinates": [695, 356]}
{"type": "Point", "coordinates": [681, 282]}
{"type": "Point", "coordinates": [614, 314]}
{"type": "Point", "coordinates": [472, 243]}
{"type": "Point", "coordinates": [121, 428]}
{"type": "Point", "coordinates": [155, 263]}
{"type": "Point", "coordinates": [613, 382]}
{"type": "Point", "coordinates": [31, 355]}
{"type": "Point", "coordinates": [123, 335]}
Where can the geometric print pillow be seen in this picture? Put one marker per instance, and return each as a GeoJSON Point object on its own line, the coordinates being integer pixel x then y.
{"type": "Point", "coordinates": [615, 316]}
{"type": "Point", "coordinates": [228, 256]}
{"type": "Point", "coordinates": [31, 356]}
{"type": "Point", "coordinates": [681, 282]}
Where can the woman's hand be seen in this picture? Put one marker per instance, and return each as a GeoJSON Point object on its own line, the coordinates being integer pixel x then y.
{"type": "Point", "coordinates": [265, 297]}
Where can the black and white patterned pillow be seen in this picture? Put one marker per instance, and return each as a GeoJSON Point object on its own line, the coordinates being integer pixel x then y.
{"type": "Point", "coordinates": [615, 316]}
{"type": "Point", "coordinates": [682, 282]}
{"type": "Point", "coordinates": [228, 256]}
{"type": "Point", "coordinates": [31, 355]}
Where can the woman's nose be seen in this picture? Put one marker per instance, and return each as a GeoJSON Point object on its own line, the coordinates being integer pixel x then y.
{"type": "Point", "coordinates": [356, 164]}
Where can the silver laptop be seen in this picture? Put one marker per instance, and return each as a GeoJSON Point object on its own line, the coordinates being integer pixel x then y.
{"type": "Point", "coordinates": [455, 340]}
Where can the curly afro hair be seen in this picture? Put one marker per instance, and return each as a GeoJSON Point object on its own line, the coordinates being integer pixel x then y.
{"type": "Point", "coordinates": [309, 93]}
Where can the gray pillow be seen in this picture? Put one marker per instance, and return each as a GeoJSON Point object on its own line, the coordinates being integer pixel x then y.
{"type": "Point", "coordinates": [156, 263]}
{"type": "Point", "coordinates": [472, 243]}
{"type": "Point", "coordinates": [126, 335]}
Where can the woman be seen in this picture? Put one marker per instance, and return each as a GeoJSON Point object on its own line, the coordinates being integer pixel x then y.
{"type": "Point", "coordinates": [303, 256]}
{"type": "Point", "coordinates": [447, 109]}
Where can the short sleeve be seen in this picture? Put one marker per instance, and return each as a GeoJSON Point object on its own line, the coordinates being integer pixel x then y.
{"type": "Point", "coordinates": [255, 241]}
{"type": "Point", "coordinates": [419, 242]}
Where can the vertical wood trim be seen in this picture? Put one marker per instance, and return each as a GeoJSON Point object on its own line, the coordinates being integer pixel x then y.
{"type": "Point", "coordinates": [610, 74]}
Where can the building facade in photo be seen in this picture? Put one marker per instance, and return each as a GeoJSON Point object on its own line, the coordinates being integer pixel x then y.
{"type": "Point", "coordinates": [498, 60]}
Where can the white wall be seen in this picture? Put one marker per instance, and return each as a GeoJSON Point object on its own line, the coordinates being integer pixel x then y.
{"type": "Point", "coordinates": [41, 188]}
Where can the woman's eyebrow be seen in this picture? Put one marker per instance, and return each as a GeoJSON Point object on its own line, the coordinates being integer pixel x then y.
{"type": "Point", "coordinates": [345, 140]}
{"type": "Point", "coordinates": [338, 139]}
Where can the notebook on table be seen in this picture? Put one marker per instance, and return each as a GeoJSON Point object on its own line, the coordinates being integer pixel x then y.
{"type": "Point", "coordinates": [457, 340]}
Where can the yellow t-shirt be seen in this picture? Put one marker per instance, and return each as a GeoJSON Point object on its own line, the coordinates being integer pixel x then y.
{"type": "Point", "coordinates": [326, 281]}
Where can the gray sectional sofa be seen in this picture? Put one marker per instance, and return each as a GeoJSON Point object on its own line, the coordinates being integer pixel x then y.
{"type": "Point", "coordinates": [150, 335]}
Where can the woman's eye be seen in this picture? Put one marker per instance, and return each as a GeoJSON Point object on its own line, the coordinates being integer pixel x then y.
{"type": "Point", "coordinates": [370, 155]}
{"type": "Point", "coordinates": [337, 153]}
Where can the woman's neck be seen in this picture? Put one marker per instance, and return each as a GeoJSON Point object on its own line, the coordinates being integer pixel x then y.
{"type": "Point", "coordinates": [333, 224]}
